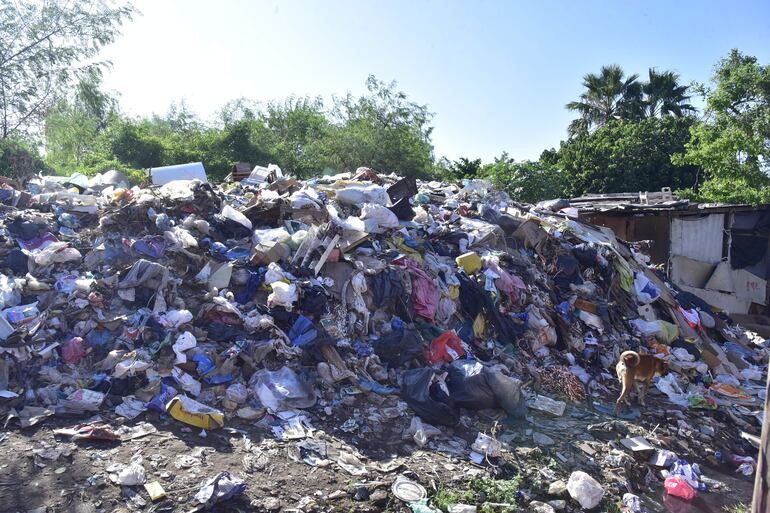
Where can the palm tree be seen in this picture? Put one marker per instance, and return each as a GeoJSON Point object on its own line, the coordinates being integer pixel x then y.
{"type": "Point", "coordinates": [608, 95]}
{"type": "Point", "coordinates": [665, 96]}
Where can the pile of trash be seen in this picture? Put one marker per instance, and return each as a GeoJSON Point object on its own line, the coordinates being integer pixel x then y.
{"type": "Point", "coordinates": [284, 305]}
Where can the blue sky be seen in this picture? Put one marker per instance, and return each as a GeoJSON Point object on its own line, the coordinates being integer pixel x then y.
{"type": "Point", "coordinates": [496, 74]}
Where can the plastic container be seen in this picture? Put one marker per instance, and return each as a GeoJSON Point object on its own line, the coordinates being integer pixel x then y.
{"type": "Point", "coordinates": [470, 262]}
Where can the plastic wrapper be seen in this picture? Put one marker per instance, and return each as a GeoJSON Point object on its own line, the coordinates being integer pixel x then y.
{"type": "Point", "coordinates": [585, 489]}
{"type": "Point", "coordinates": [282, 389]}
{"type": "Point", "coordinates": [219, 488]}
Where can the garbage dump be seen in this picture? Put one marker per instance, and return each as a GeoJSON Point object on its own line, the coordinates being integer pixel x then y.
{"type": "Point", "coordinates": [265, 343]}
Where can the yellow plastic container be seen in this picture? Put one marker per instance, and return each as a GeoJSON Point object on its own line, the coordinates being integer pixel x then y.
{"type": "Point", "coordinates": [192, 412]}
{"type": "Point", "coordinates": [470, 262]}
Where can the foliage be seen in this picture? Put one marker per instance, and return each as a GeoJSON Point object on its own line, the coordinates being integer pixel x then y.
{"type": "Point", "coordinates": [18, 160]}
{"type": "Point", "coordinates": [480, 490]}
{"type": "Point", "coordinates": [663, 95]}
{"type": "Point", "coordinates": [627, 156]}
{"type": "Point", "coordinates": [381, 129]}
{"type": "Point", "coordinates": [607, 96]}
{"type": "Point", "coordinates": [44, 46]}
{"type": "Point", "coordinates": [72, 125]}
{"type": "Point", "coordinates": [611, 95]}
{"type": "Point", "coordinates": [526, 181]}
{"type": "Point", "coordinates": [739, 507]}
{"type": "Point", "coordinates": [732, 142]}
{"type": "Point", "coordinates": [463, 168]}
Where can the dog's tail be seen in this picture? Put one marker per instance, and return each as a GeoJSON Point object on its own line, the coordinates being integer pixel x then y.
{"type": "Point", "coordinates": [630, 358]}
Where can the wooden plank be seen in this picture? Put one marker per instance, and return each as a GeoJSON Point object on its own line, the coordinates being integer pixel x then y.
{"type": "Point", "coordinates": [761, 499]}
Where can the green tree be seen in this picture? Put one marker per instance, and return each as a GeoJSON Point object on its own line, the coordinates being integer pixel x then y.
{"type": "Point", "coordinates": [526, 181]}
{"type": "Point", "coordinates": [72, 126]}
{"type": "Point", "coordinates": [732, 142]}
{"type": "Point", "coordinates": [664, 95]}
{"type": "Point", "coordinates": [608, 95]}
{"type": "Point", "coordinates": [45, 46]}
{"type": "Point", "coordinates": [383, 130]}
{"type": "Point", "coordinates": [301, 132]}
{"type": "Point", "coordinates": [625, 156]}
{"type": "Point", "coordinates": [464, 168]}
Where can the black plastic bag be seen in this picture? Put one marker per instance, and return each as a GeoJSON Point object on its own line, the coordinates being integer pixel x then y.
{"type": "Point", "coordinates": [430, 402]}
{"type": "Point", "coordinates": [399, 346]}
{"type": "Point", "coordinates": [475, 386]}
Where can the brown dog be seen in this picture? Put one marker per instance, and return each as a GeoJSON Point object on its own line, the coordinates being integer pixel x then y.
{"type": "Point", "coordinates": [634, 367]}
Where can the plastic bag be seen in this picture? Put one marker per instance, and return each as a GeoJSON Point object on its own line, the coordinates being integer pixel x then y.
{"type": "Point", "coordinates": [132, 474]}
{"type": "Point", "coordinates": [219, 488]}
{"type": "Point", "coordinates": [72, 350]}
{"type": "Point", "coordinates": [585, 489]}
{"type": "Point", "coordinates": [357, 195]}
{"type": "Point", "coordinates": [377, 218]}
{"type": "Point", "coordinates": [475, 386]}
{"type": "Point", "coordinates": [445, 348]}
{"type": "Point", "coordinates": [663, 331]}
{"type": "Point", "coordinates": [690, 473]}
{"type": "Point", "coordinates": [173, 319]}
{"type": "Point", "coordinates": [9, 293]}
{"type": "Point", "coordinates": [669, 386]}
{"type": "Point", "coordinates": [232, 214]}
{"type": "Point", "coordinates": [646, 291]}
{"type": "Point", "coordinates": [237, 393]}
{"type": "Point", "coordinates": [56, 252]}
{"type": "Point", "coordinates": [399, 346]}
{"type": "Point", "coordinates": [270, 235]}
{"type": "Point", "coordinates": [283, 294]}
{"type": "Point", "coordinates": [282, 389]}
{"type": "Point", "coordinates": [421, 431]}
{"type": "Point", "coordinates": [678, 487]}
{"type": "Point", "coordinates": [428, 399]}
{"type": "Point", "coordinates": [184, 342]}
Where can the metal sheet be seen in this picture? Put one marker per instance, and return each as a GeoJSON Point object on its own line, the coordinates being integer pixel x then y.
{"type": "Point", "coordinates": [699, 238]}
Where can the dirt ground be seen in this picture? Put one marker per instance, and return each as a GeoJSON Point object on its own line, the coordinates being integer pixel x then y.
{"type": "Point", "coordinates": [277, 479]}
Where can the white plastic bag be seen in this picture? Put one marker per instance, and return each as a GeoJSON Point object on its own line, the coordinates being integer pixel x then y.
{"type": "Point", "coordinates": [230, 213]}
{"type": "Point", "coordinates": [377, 218]}
{"type": "Point", "coordinates": [270, 235]}
{"type": "Point", "coordinates": [132, 474]}
{"type": "Point", "coordinates": [175, 318]}
{"type": "Point", "coordinates": [357, 195]}
{"type": "Point", "coordinates": [283, 294]}
{"type": "Point", "coordinates": [585, 489]}
{"type": "Point", "coordinates": [669, 386]}
{"type": "Point", "coordinates": [57, 253]}
{"type": "Point", "coordinates": [184, 342]}
{"type": "Point", "coordinates": [9, 294]}
{"type": "Point", "coordinates": [274, 273]}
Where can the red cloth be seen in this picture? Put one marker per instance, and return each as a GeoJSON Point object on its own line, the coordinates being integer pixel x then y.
{"type": "Point", "coordinates": [425, 294]}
